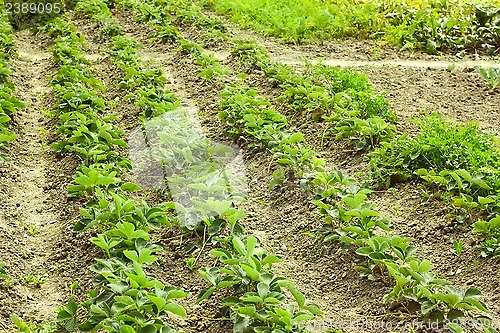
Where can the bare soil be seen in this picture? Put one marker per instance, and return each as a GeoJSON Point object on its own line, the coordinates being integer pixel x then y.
{"type": "Point", "coordinates": [36, 218]}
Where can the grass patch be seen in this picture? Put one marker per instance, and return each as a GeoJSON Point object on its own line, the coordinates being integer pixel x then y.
{"type": "Point", "coordinates": [431, 25]}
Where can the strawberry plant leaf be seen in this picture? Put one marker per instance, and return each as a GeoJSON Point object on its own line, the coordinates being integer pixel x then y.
{"type": "Point", "coordinates": [176, 309]}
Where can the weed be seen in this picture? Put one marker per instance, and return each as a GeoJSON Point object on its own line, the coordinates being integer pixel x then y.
{"type": "Point", "coordinates": [32, 228]}
{"type": "Point", "coordinates": [29, 327]}
{"type": "Point", "coordinates": [36, 279]}
{"type": "Point", "coordinates": [440, 145]}
{"type": "Point", "coordinates": [431, 26]}
{"type": "Point", "coordinates": [3, 271]}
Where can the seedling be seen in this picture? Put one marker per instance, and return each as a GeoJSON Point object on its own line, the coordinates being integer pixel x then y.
{"type": "Point", "coordinates": [3, 271]}
{"type": "Point", "coordinates": [36, 279]}
{"type": "Point", "coordinates": [29, 327]}
{"type": "Point", "coordinates": [458, 245]}
{"type": "Point", "coordinates": [490, 75]}
{"type": "Point", "coordinates": [32, 229]}
{"type": "Point", "coordinates": [191, 263]}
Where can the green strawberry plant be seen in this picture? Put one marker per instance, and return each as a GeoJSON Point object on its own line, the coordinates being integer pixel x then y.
{"type": "Point", "coordinates": [415, 281]}
{"type": "Point", "coordinates": [258, 299]}
{"type": "Point", "coordinates": [88, 179]}
{"type": "Point", "coordinates": [365, 134]}
{"type": "Point", "coordinates": [490, 231]}
{"type": "Point", "coordinates": [104, 214]}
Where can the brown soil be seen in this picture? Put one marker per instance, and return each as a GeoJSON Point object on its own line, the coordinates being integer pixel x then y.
{"type": "Point", "coordinates": [36, 217]}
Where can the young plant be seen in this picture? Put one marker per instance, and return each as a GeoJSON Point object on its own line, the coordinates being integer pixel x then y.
{"type": "Point", "coordinates": [458, 246]}
{"type": "Point", "coordinates": [490, 75]}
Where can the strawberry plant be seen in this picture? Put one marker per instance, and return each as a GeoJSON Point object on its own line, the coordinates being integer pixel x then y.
{"type": "Point", "coordinates": [167, 34]}
{"type": "Point", "coordinates": [416, 281]}
{"type": "Point", "coordinates": [490, 231]}
{"type": "Point", "coordinates": [365, 134]}
{"type": "Point", "coordinates": [258, 300]}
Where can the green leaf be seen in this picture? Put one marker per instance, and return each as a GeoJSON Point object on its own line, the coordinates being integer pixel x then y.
{"type": "Point", "coordinates": [127, 329]}
{"type": "Point", "coordinates": [130, 187]}
{"type": "Point", "coordinates": [455, 328]}
{"type": "Point", "coordinates": [473, 292]}
{"type": "Point", "coordinates": [252, 273]}
{"type": "Point", "coordinates": [158, 301]}
{"type": "Point", "coordinates": [278, 178]}
{"type": "Point", "coordinates": [427, 307]}
{"type": "Point", "coordinates": [263, 289]}
{"type": "Point", "coordinates": [176, 309]}
{"type": "Point", "coordinates": [299, 297]}
{"type": "Point", "coordinates": [152, 329]}
{"type": "Point", "coordinates": [20, 324]}
{"type": "Point", "coordinates": [204, 294]}
{"type": "Point", "coordinates": [239, 246]}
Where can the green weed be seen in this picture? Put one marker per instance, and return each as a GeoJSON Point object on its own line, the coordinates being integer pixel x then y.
{"type": "Point", "coordinates": [440, 145]}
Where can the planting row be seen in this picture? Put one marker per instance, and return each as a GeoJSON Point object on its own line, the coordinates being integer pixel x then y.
{"type": "Point", "coordinates": [9, 104]}
{"type": "Point", "coordinates": [126, 298]}
{"type": "Point", "coordinates": [350, 218]}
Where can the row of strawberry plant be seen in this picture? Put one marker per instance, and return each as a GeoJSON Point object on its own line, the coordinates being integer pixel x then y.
{"type": "Point", "coordinates": [218, 213]}
{"type": "Point", "coordinates": [258, 299]}
{"type": "Point", "coordinates": [352, 220]}
{"type": "Point", "coordinates": [415, 279]}
{"type": "Point", "coordinates": [9, 104]}
{"type": "Point", "coordinates": [327, 93]}
{"type": "Point", "coordinates": [127, 299]}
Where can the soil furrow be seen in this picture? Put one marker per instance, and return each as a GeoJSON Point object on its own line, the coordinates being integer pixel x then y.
{"type": "Point", "coordinates": [43, 256]}
{"type": "Point", "coordinates": [29, 207]}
